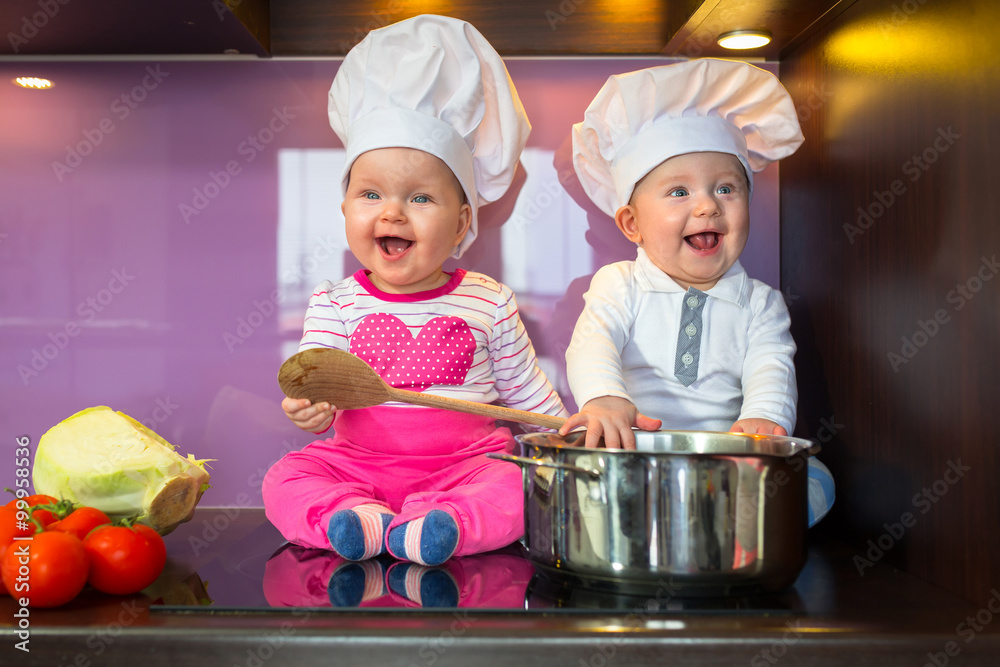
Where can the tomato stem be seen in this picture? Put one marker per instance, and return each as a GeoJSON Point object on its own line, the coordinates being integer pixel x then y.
{"type": "Point", "coordinates": [61, 509]}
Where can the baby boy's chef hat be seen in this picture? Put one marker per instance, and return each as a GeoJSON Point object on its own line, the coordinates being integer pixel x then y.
{"type": "Point", "coordinates": [640, 119]}
{"type": "Point", "coordinates": [435, 84]}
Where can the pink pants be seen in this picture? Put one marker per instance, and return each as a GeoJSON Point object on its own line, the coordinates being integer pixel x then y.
{"type": "Point", "coordinates": [409, 460]}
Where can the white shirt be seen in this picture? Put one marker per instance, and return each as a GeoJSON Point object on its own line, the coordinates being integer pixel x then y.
{"type": "Point", "coordinates": [625, 344]}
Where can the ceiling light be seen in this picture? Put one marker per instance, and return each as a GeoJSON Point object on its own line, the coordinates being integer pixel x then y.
{"type": "Point", "coordinates": [744, 39]}
{"type": "Point", "coordinates": [32, 82]}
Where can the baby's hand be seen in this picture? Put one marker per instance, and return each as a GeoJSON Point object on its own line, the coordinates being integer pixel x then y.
{"type": "Point", "coordinates": [613, 417]}
{"type": "Point", "coordinates": [309, 417]}
{"type": "Point", "coordinates": [755, 425]}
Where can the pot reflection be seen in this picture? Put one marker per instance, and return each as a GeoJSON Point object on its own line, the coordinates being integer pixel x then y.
{"type": "Point", "coordinates": [546, 593]}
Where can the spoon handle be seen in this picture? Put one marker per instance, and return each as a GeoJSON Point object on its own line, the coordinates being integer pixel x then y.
{"type": "Point", "coordinates": [471, 407]}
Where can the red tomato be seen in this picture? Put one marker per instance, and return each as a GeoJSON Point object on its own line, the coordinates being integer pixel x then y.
{"type": "Point", "coordinates": [9, 526]}
{"type": "Point", "coordinates": [124, 560]}
{"type": "Point", "coordinates": [9, 530]}
{"type": "Point", "coordinates": [80, 521]}
{"type": "Point", "coordinates": [44, 517]}
{"type": "Point", "coordinates": [48, 570]}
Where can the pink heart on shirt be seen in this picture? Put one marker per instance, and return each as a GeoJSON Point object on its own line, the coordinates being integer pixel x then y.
{"type": "Point", "coordinates": [441, 353]}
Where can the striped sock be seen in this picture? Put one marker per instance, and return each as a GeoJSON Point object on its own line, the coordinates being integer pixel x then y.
{"type": "Point", "coordinates": [359, 533]}
{"type": "Point", "coordinates": [354, 583]}
{"type": "Point", "coordinates": [429, 540]}
{"type": "Point", "coordinates": [428, 587]}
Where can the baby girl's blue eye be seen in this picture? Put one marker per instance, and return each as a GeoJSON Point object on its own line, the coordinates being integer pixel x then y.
{"type": "Point", "coordinates": [421, 199]}
{"type": "Point", "coordinates": [679, 192]}
{"type": "Point", "coordinates": [371, 195]}
{"type": "Point", "coordinates": [725, 190]}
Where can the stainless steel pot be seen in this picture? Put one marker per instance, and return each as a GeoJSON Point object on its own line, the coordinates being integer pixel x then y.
{"type": "Point", "coordinates": [688, 513]}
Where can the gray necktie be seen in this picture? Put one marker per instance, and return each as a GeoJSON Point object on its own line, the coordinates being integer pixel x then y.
{"type": "Point", "coordinates": [689, 337]}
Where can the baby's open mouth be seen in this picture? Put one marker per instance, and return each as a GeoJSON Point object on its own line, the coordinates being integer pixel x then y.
{"type": "Point", "coordinates": [703, 241]}
{"type": "Point", "coordinates": [393, 245]}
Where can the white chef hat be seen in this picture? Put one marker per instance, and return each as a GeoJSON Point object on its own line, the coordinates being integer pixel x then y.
{"type": "Point", "coordinates": [640, 119]}
{"type": "Point", "coordinates": [435, 84]}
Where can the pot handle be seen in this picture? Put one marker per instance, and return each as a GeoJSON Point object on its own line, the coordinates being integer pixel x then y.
{"type": "Point", "coordinates": [526, 461]}
{"type": "Point", "coordinates": [813, 449]}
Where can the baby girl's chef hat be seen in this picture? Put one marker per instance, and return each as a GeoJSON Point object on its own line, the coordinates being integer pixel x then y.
{"type": "Point", "coordinates": [435, 84]}
{"type": "Point", "coordinates": [640, 119]}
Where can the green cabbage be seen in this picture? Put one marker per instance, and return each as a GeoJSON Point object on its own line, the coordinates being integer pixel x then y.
{"type": "Point", "coordinates": [105, 459]}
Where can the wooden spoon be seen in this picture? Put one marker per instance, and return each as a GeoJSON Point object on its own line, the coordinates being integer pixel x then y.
{"type": "Point", "coordinates": [347, 382]}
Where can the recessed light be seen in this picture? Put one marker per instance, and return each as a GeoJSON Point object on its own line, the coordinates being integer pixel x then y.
{"type": "Point", "coordinates": [32, 82]}
{"type": "Point", "coordinates": [744, 39]}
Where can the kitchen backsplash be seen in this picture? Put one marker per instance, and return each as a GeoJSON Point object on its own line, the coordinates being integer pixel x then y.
{"type": "Point", "coordinates": [163, 223]}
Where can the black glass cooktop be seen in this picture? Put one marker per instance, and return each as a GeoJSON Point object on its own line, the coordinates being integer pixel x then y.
{"type": "Point", "coordinates": [254, 568]}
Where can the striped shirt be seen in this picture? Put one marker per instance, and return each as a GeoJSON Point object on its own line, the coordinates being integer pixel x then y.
{"type": "Point", "coordinates": [463, 340]}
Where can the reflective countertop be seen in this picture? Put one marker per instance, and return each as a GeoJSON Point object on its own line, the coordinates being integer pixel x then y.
{"type": "Point", "coordinates": [235, 593]}
{"type": "Point", "coordinates": [261, 571]}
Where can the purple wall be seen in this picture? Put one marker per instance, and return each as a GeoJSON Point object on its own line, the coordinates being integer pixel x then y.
{"type": "Point", "coordinates": [139, 243]}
